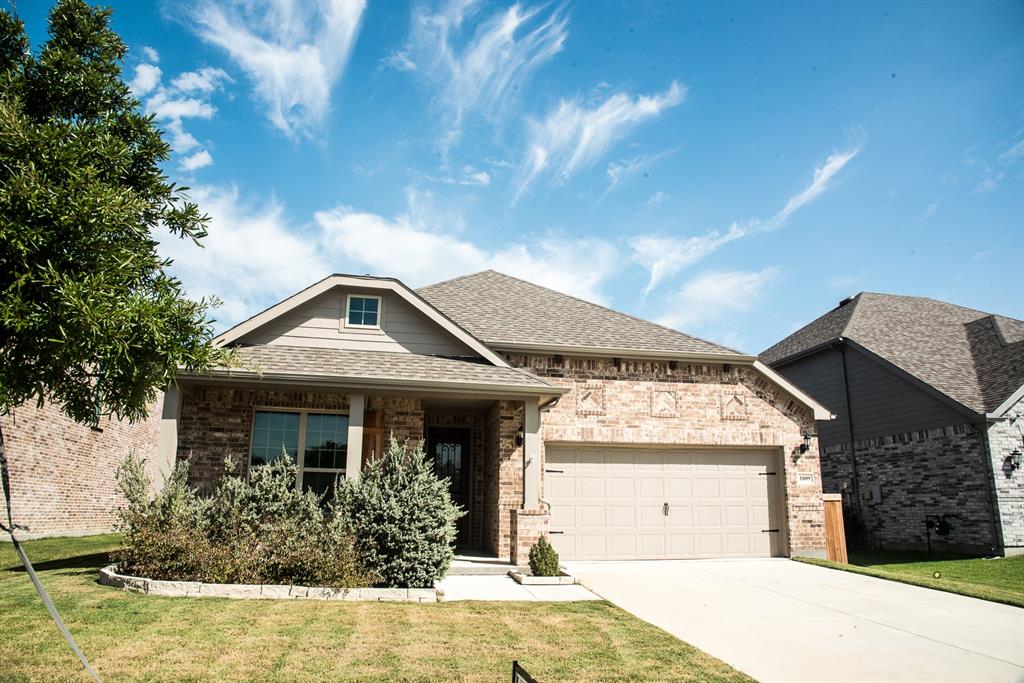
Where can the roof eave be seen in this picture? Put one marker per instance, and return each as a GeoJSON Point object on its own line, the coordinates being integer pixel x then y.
{"type": "Point", "coordinates": [617, 352]}
{"type": "Point", "coordinates": [820, 411]}
{"type": "Point", "coordinates": [1011, 401]}
{"type": "Point", "coordinates": [372, 383]}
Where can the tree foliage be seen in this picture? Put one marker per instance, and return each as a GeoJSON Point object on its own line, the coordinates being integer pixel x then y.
{"type": "Point", "coordinates": [89, 316]}
{"type": "Point", "coordinates": [401, 517]}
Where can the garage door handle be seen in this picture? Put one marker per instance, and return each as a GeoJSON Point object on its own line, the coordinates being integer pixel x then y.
{"type": "Point", "coordinates": [769, 531]}
{"type": "Point", "coordinates": [664, 509]}
{"type": "Point", "coordinates": [556, 532]}
{"type": "Point", "coordinates": [555, 471]}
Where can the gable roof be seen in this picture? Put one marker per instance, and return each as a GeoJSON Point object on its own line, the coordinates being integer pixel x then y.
{"type": "Point", "coordinates": [972, 357]}
{"type": "Point", "coordinates": [379, 283]}
{"type": "Point", "coordinates": [509, 313]}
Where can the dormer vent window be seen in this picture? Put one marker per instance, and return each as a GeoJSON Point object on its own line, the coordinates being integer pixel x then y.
{"type": "Point", "coordinates": [362, 311]}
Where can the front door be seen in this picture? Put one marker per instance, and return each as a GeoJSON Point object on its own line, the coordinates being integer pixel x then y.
{"type": "Point", "coordinates": [449, 449]}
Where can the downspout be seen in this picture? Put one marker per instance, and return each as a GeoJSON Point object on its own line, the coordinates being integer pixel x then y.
{"type": "Point", "coordinates": [853, 448]}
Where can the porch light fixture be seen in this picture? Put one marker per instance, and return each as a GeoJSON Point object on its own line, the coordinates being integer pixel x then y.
{"type": "Point", "coordinates": [520, 435]}
{"type": "Point", "coordinates": [1013, 460]}
{"type": "Point", "coordinates": [806, 445]}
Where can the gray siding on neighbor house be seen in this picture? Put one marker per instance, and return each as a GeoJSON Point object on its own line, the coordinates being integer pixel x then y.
{"type": "Point", "coordinates": [320, 323]}
{"type": "Point", "coordinates": [883, 402]}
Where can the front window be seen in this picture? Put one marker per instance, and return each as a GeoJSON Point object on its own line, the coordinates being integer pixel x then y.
{"type": "Point", "coordinates": [363, 311]}
{"type": "Point", "coordinates": [316, 442]}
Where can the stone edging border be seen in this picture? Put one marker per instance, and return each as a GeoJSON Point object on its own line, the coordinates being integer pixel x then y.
{"type": "Point", "coordinates": [240, 591]}
{"type": "Point", "coordinates": [563, 579]}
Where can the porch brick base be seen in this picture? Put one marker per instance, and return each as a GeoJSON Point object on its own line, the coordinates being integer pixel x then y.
{"type": "Point", "coordinates": [526, 529]}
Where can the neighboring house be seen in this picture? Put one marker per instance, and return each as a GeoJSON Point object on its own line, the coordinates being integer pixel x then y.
{"type": "Point", "coordinates": [63, 473]}
{"type": "Point", "coordinates": [620, 438]}
{"type": "Point", "coordinates": [931, 397]}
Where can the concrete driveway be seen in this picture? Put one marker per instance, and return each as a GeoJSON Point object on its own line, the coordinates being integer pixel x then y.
{"type": "Point", "coordinates": [779, 620]}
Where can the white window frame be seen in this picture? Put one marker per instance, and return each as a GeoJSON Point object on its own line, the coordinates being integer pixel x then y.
{"type": "Point", "coordinates": [300, 455]}
{"type": "Point", "coordinates": [348, 309]}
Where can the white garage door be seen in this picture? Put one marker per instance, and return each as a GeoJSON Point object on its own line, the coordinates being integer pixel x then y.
{"type": "Point", "coordinates": [624, 503]}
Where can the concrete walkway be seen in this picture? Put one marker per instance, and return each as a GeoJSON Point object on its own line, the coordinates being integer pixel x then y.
{"type": "Point", "coordinates": [780, 620]}
{"type": "Point", "coordinates": [505, 588]}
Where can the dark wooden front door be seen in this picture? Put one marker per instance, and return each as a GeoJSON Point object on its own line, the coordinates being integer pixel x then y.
{"type": "Point", "coordinates": [449, 448]}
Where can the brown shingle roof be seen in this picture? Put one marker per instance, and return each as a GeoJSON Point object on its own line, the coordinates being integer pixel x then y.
{"type": "Point", "coordinates": [973, 357]}
{"type": "Point", "coordinates": [341, 365]}
{"type": "Point", "coordinates": [502, 310]}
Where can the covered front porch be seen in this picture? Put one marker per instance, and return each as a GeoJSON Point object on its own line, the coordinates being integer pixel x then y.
{"type": "Point", "coordinates": [487, 445]}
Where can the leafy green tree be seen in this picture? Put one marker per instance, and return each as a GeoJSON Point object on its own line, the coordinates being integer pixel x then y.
{"type": "Point", "coordinates": [89, 317]}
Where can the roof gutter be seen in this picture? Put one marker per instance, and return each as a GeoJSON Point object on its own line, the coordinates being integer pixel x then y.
{"type": "Point", "coordinates": [372, 383]}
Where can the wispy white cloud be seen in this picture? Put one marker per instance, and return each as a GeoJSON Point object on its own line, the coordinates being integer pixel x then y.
{"type": "Point", "coordinates": [245, 257]}
{"type": "Point", "coordinates": [420, 252]}
{"type": "Point", "coordinates": [715, 294]}
{"type": "Point", "coordinates": [843, 281]}
{"type": "Point", "coordinates": [477, 60]}
{"type": "Point", "coordinates": [822, 175]}
{"type": "Point", "coordinates": [187, 96]}
{"type": "Point", "coordinates": [292, 52]}
{"type": "Point", "coordinates": [470, 176]}
{"type": "Point", "coordinates": [665, 256]}
{"type": "Point", "coordinates": [1012, 155]}
{"type": "Point", "coordinates": [193, 162]}
{"type": "Point", "coordinates": [574, 135]}
{"type": "Point", "coordinates": [623, 171]}
{"type": "Point", "coordinates": [399, 60]}
{"type": "Point", "coordinates": [930, 210]}
{"type": "Point", "coordinates": [657, 198]}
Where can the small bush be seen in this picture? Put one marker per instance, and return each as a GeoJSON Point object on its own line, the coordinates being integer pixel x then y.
{"type": "Point", "coordinates": [260, 530]}
{"type": "Point", "coordinates": [401, 516]}
{"type": "Point", "coordinates": [544, 559]}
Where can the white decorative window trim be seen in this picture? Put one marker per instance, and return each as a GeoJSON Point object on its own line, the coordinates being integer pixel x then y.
{"type": "Point", "coordinates": [348, 308]}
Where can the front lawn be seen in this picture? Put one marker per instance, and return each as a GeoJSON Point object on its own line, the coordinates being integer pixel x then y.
{"type": "Point", "coordinates": [129, 636]}
{"type": "Point", "coordinates": [998, 579]}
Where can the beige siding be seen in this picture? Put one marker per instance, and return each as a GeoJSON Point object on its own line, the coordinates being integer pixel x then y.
{"type": "Point", "coordinates": [320, 323]}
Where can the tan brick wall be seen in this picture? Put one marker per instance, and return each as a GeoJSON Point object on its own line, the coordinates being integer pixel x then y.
{"type": "Point", "coordinates": [63, 474]}
{"type": "Point", "coordinates": [667, 403]}
{"type": "Point", "coordinates": [527, 527]}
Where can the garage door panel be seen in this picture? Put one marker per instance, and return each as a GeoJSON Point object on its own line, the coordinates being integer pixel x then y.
{"type": "Point", "coordinates": [719, 503]}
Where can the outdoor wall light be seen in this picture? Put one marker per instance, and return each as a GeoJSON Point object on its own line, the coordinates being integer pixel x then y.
{"type": "Point", "coordinates": [520, 434]}
{"type": "Point", "coordinates": [806, 445]}
{"type": "Point", "coordinates": [1013, 460]}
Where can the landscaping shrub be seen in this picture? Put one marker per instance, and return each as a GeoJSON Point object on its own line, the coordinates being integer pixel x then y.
{"type": "Point", "coordinates": [260, 530]}
{"type": "Point", "coordinates": [544, 559]}
{"type": "Point", "coordinates": [401, 517]}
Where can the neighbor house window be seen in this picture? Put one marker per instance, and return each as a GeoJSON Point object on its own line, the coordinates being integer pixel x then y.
{"type": "Point", "coordinates": [363, 311]}
{"type": "Point", "coordinates": [316, 442]}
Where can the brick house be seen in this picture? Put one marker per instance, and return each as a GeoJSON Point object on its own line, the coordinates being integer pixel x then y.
{"type": "Point", "coordinates": [929, 399]}
{"type": "Point", "coordinates": [618, 437]}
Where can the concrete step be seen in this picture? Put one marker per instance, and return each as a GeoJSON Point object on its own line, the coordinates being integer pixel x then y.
{"type": "Point", "coordinates": [479, 565]}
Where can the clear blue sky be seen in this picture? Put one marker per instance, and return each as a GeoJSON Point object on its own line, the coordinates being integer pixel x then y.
{"type": "Point", "coordinates": [729, 169]}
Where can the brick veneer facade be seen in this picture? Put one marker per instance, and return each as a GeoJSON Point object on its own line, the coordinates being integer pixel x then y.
{"type": "Point", "coordinates": [670, 403]}
{"type": "Point", "coordinates": [905, 478]}
{"type": "Point", "coordinates": [63, 473]}
{"type": "Point", "coordinates": [216, 423]}
{"type": "Point", "coordinates": [1004, 437]}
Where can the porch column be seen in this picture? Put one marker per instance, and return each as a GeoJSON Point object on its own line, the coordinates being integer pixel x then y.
{"type": "Point", "coordinates": [167, 441]}
{"type": "Point", "coordinates": [354, 457]}
{"type": "Point", "coordinates": [531, 454]}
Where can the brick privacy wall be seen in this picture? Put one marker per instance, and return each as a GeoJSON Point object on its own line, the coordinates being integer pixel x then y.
{"type": "Point", "coordinates": [63, 474]}
{"type": "Point", "coordinates": [930, 472]}
{"type": "Point", "coordinates": [475, 509]}
{"type": "Point", "coordinates": [701, 416]}
{"type": "Point", "coordinates": [216, 423]}
{"type": "Point", "coordinates": [1004, 437]}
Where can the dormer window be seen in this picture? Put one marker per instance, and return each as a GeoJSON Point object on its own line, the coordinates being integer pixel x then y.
{"type": "Point", "coordinates": [362, 311]}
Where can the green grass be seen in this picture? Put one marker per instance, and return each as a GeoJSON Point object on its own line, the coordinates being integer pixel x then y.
{"type": "Point", "coordinates": [998, 580]}
{"type": "Point", "coordinates": [129, 637]}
